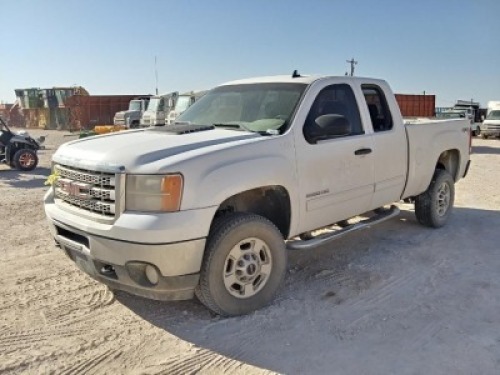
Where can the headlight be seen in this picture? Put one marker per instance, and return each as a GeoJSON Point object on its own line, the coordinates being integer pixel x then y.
{"type": "Point", "coordinates": [154, 192]}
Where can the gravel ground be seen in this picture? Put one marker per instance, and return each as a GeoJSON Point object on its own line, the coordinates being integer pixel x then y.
{"type": "Point", "coordinates": [396, 299]}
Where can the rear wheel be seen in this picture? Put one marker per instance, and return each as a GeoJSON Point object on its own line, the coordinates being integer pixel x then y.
{"type": "Point", "coordinates": [484, 136]}
{"type": "Point", "coordinates": [434, 206]}
{"type": "Point", "coordinates": [244, 264]}
{"type": "Point", "coordinates": [25, 160]}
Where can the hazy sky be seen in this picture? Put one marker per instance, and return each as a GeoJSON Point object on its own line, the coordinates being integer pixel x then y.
{"type": "Point", "coordinates": [450, 48]}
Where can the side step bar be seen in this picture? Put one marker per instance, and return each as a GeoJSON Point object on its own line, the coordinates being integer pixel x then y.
{"type": "Point", "coordinates": [322, 239]}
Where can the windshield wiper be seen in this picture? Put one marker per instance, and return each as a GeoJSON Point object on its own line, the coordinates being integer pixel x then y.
{"type": "Point", "coordinates": [233, 125]}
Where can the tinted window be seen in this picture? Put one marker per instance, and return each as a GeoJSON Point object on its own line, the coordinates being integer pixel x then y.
{"type": "Point", "coordinates": [335, 99]}
{"type": "Point", "coordinates": [378, 108]}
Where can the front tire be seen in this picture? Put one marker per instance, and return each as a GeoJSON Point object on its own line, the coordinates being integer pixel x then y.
{"type": "Point", "coordinates": [433, 207]}
{"type": "Point", "coordinates": [25, 160]}
{"type": "Point", "coordinates": [244, 264]}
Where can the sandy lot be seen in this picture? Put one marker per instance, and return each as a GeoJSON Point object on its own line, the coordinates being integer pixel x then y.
{"type": "Point", "coordinates": [396, 299]}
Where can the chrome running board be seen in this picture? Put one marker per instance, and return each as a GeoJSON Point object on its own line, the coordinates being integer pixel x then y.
{"type": "Point", "coordinates": [322, 239]}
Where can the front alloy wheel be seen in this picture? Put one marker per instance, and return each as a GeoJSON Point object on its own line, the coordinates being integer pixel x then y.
{"type": "Point", "coordinates": [247, 268]}
{"type": "Point", "coordinates": [244, 264]}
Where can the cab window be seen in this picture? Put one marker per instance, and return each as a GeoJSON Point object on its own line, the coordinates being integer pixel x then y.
{"type": "Point", "coordinates": [336, 100]}
{"type": "Point", "coordinates": [380, 114]}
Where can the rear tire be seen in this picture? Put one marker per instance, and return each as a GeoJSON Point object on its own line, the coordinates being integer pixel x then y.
{"type": "Point", "coordinates": [484, 136]}
{"type": "Point", "coordinates": [433, 207]}
{"type": "Point", "coordinates": [244, 264]}
{"type": "Point", "coordinates": [25, 160]}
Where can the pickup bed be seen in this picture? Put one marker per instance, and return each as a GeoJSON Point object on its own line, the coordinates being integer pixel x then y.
{"type": "Point", "coordinates": [210, 205]}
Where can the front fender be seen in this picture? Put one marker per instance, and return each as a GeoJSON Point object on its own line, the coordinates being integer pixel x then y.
{"type": "Point", "coordinates": [254, 167]}
{"type": "Point", "coordinates": [242, 175]}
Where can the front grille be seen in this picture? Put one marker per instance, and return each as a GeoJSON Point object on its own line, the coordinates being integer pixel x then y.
{"type": "Point", "coordinates": [87, 190]}
{"type": "Point", "coordinates": [492, 127]}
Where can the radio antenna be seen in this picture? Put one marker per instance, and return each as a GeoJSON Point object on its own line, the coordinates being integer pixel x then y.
{"type": "Point", "coordinates": [156, 77]}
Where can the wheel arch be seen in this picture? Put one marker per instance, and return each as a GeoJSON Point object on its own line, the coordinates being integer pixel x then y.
{"type": "Point", "coordinates": [449, 160]}
{"type": "Point", "coordinates": [272, 202]}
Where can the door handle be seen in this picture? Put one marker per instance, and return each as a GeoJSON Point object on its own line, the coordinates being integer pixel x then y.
{"type": "Point", "coordinates": [363, 151]}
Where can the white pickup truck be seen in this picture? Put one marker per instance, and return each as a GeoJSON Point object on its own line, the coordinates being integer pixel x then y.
{"type": "Point", "coordinates": [210, 205]}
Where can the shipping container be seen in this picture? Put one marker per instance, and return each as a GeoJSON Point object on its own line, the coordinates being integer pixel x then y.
{"type": "Point", "coordinates": [416, 105]}
{"type": "Point", "coordinates": [35, 117]}
{"type": "Point", "coordinates": [85, 112]}
{"type": "Point", "coordinates": [49, 98]}
{"type": "Point", "coordinates": [5, 111]}
{"type": "Point", "coordinates": [13, 114]}
{"type": "Point", "coordinates": [62, 93]}
{"type": "Point", "coordinates": [68, 108]}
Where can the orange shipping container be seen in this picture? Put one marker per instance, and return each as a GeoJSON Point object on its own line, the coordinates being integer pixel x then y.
{"type": "Point", "coordinates": [416, 105]}
{"type": "Point", "coordinates": [88, 111]}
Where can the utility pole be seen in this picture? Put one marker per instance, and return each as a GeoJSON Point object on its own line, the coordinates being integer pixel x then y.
{"type": "Point", "coordinates": [156, 77]}
{"type": "Point", "coordinates": [352, 62]}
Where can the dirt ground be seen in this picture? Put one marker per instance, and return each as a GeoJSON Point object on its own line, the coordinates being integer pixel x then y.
{"type": "Point", "coordinates": [396, 299]}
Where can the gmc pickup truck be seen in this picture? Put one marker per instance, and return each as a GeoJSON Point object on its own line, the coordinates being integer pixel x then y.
{"type": "Point", "coordinates": [209, 206]}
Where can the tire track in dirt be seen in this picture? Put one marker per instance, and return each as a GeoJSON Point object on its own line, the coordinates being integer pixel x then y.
{"type": "Point", "coordinates": [92, 363]}
{"type": "Point", "coordinates": [82, 305]}
{"type": "Point", "coordinates": [380, 295]}
{"type": "Point", "coordinates": [397, 284]}
{"type": "Point", "coordinates": [426, 335]}
{"type": "Point", "coordinates": [363, 316]}
{"type": "Point", "coordinates": [35, 336]}
{"type": "Point", "coordinates": [201, 361]}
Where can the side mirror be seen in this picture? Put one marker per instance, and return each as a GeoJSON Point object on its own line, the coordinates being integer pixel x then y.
{"type": "Point", "coordinates": [334, 125]}
{"type": "Point", "coordinates": [170, 103]}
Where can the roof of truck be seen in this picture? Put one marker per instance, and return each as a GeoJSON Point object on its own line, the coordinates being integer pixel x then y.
{"type": "Point", "coordinates": [306, 79]}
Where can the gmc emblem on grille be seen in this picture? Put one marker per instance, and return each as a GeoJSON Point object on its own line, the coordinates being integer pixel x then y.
{"type": "Point", "coordinates": [75, 189]}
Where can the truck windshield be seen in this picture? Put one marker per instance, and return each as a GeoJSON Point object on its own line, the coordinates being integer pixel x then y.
{"type": "Point", "coordinates": [135, 105]}
{"type": "Point", "coordinates": [182, 103]}
{"type": "Point", "coordinates": [493, 115]}
{"type": "Point", "coordinates": [260, 107]}
{"type": "Point", "coordinates": [154, 104]}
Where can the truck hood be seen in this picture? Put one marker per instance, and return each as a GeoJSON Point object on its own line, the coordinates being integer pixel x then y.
{"type": "Point", "coordinates": [139, 151]}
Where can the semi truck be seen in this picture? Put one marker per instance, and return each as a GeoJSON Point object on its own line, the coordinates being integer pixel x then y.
{"type": "Point", "coordinates": [132, 116]}
{"type": "Point", "coordinates": [184, 101]}
{"type": "Point", "coordinates": [159, 109]}
{"type": "Point", "coordinates": [210, 206]}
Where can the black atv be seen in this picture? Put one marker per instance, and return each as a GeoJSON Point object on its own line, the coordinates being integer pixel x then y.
{"type": "Point", "coordinates": [16, 150]}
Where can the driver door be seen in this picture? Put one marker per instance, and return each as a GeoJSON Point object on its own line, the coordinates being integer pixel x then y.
{"type": "Point", "coordinates": [335, 174]}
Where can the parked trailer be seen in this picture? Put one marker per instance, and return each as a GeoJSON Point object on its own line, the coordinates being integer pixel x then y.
{"type": "Point", "coordinates": [416, 105]}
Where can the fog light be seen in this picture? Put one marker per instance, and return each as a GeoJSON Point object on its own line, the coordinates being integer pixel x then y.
{"type": "Point", "coordinates": [152, 274]}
